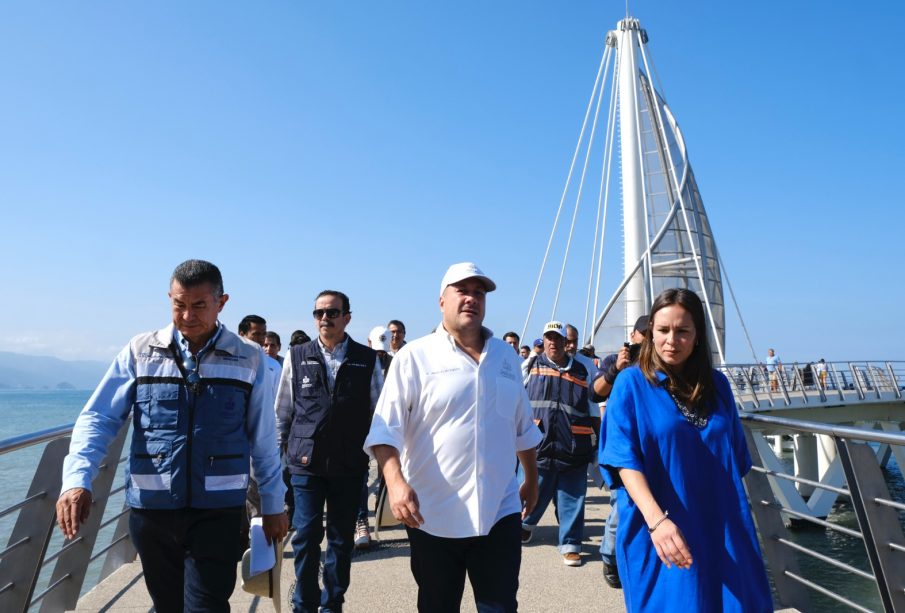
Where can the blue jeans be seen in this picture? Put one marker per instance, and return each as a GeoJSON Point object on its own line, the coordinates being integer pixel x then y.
{"type": "Point", "coordinates": [188, 556]}
{"type": "Point", "coordinates": [569, 487]}
{"type": "Point", "coordinates": [608, 542]}
{"type": "Point", "coordinates": [341, 496]}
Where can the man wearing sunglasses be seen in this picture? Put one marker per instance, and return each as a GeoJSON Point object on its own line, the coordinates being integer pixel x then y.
{"type": "Point", "coordinates": [201, 410]}
{"type": "Point", "coordinates": [327, 394]}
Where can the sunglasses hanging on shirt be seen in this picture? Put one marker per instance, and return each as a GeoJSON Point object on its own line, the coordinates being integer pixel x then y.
{"type": "Point", "coordinates": [189, 370]}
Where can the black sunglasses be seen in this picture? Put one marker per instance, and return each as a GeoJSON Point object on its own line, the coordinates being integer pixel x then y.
{"type": "Point", "coordinates": [192, 377]}
{"type": "Point", "coordinates": [330, 313]}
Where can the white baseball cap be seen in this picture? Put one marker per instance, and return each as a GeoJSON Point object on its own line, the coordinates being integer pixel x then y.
{"type": "Point", "coordinates": [465, 270]}
{"type": "Point", "coordinates": [379, 338]}
{"type": "Point", "coordinates": [555, 326]}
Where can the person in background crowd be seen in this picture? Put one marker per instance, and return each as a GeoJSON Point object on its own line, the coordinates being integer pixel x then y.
{"type": "Point", "coordinates": [298, 337]}
{"type": "Point", "coordinates": [272, 346]}
{"type": "Point", "coordinates": [397, 335]}
{"type": "Point", "coordinates": [511, 338]}
{"type": "Point", "coordinates": [326, 398]}
{"type": "Point", "coordinates": [452, 418]}
{"type": "Point", "coordinates": [558, 389]}
{"type": "Point", "coordinates": [774, 367]}
{"type": "Point", "coordinates": [379, 341]}
{"type": "Point", "coordinates": [253, 328]}
{"type": "Point", "coordinates": [612, 365]}
{"type": "Point", "coordinates": [673, 439]}
{"type": "Point", "coordinates": [524, 352]}
{"type": "Point", "coordinates": [538, 346]}
{"type": "Point", "coordinates": [820, 368]}
{"type": "Point", "coordinates": [192, 440]}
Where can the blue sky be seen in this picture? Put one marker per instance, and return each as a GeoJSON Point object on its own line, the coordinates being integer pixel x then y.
{"type": "Point", "coordinates": [365, 146]}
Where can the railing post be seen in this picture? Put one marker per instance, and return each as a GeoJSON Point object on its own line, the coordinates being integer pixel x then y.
{"type": "Point", "coordinates": [873, 378]}
{"type": "Point", "coordinates": [751, 387]}
{"type": "Point", "coordinates": [800, 380]}
{"type": "Point", "coordinates": [895, 383]}
{"type": "Point", "coordinates": [73, 563]}
{"type": "Point", "coordinates": [781, 375]}
{"type": "Point", "coordinates": [121, 553]}
{"type": "Point", "coordinates": [22, 566]}
{"type": "Point", "coordinates": [852, 369]}
{"type": "Point", "coordinates": [879, 524]}
{"type": "Point", "coordinates": [836, 383]}
{"type": "Point", "coordinates": [771, 528]}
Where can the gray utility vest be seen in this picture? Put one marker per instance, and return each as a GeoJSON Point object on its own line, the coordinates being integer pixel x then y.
{"type": "Point", "coordinates": [188, 449]}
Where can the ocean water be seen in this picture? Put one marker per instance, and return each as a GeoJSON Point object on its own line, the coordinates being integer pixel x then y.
{"type": "Point", "coordinates": [22, 412]}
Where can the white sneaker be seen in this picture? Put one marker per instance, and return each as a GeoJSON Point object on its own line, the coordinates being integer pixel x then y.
{"type": "Point", "coordinates": [362, 534]}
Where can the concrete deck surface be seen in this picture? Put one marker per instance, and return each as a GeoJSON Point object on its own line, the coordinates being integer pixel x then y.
{"type": "Point", "coordinates": [382, 580]}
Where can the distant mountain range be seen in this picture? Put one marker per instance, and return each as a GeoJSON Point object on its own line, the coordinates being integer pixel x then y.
{"type": "Point", "coordinates": [18, 371]}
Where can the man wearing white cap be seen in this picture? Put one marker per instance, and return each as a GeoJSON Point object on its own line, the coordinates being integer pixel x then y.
{"type": "Point", "coordinates": [451, 419]}
{"type": "Point", "coordinates": [558, 388]}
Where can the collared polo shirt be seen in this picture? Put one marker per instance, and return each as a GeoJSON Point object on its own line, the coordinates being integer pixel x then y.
{"type": "Point", "coordinates": [457, 424]}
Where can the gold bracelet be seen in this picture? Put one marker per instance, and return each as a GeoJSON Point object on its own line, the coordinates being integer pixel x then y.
{"type": "Point", "coordinates": [659, 521]}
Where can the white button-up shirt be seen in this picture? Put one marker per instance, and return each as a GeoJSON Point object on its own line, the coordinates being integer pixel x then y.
{"type": "Point", "coordinates": [457, 425]}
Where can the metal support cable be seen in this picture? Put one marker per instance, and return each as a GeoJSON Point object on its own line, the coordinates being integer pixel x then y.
{"type": "Point", "coordinates": [738, 310]}
{"type": "Point", "coordinates": [606, 174]}
{"type": "Point", "coordinates": [643, 174]}
{"type": "Point", "coordinates": [565, 190]}
{"type": "Point", "coordinates": [584, 172]}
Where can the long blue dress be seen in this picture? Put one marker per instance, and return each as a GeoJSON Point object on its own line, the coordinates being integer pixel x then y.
{"type": "Point", "coordinates": [695, 474]}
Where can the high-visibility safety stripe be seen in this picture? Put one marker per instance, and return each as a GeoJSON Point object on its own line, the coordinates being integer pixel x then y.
{"type": "Point", "coordinates": [553, 404]}
{"type": "Point", "coordinates": [218, 483]}
{"type": "Point", "coordinates": [543, 371]}
{"type": "Point", "coordinates": [145, 368]}
{"type": "Point", "coordinates": [219, 370]}
{"type": "Point", "coordinates": [153, 482]}
{"type": "Point", "coordinates": [582, 430]}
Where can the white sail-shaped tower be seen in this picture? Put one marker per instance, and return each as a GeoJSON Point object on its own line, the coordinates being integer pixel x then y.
{"type": "Point", "coordinates": [666, 236]}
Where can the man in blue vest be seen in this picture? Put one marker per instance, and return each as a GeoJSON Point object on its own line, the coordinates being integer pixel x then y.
{"type": "Point", "coordinates": [557, 385]}
{"type": "Point", "coordinates": [327, 394]}
{"type": "Point", "coordinates": [201, 409]}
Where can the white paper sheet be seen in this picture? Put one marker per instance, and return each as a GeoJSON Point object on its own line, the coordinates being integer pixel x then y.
{"type": "Point", "coordinates": [263, 556]}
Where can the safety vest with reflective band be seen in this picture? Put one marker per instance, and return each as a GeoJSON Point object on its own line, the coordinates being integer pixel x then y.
{"type": "Point", "coordinates": [329, 427]}
{"type": "Point", "coordinates": [190, 449]}
{"type": "Point", "coordinates": [560, 402]}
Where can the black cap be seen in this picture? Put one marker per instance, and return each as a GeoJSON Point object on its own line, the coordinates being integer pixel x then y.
{"type": "Point", "coordinates": [641, 323]}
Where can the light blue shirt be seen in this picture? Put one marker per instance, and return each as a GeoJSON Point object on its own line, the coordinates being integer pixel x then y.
{"type": "Point", "coordinates": [111, 404]}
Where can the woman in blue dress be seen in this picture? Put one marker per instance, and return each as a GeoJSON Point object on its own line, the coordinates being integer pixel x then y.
{"type": "Point", "coordinates": [672, 438]}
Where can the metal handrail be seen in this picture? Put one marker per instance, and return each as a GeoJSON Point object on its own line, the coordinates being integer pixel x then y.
{"type": "Point", "coordinates": [815, 427]}
{"type": "Point", "coordinates": [26, 560]}
{"type": "Point", "coordinates": [876, 513]}
{"type": "Point", "coordinates": [22, 441]}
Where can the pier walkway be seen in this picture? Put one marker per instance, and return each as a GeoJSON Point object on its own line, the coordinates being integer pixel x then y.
{"type": "Point", "coordinates": [382, 581]}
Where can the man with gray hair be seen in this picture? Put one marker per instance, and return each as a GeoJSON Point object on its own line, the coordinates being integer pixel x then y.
{"type": "Point", "coordinates": [201, 411]}
{"type": "Point", "coordinates": [451, 420]}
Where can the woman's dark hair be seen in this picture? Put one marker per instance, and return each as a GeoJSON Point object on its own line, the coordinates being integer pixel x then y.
{"type": "Point", "coordinates": [694, 383]}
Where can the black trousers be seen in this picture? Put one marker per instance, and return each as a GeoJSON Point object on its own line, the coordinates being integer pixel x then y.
{"type": "Point", "coordinates": [492, 563]}
{"type": "Point", "coordinates": [188, 556]}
